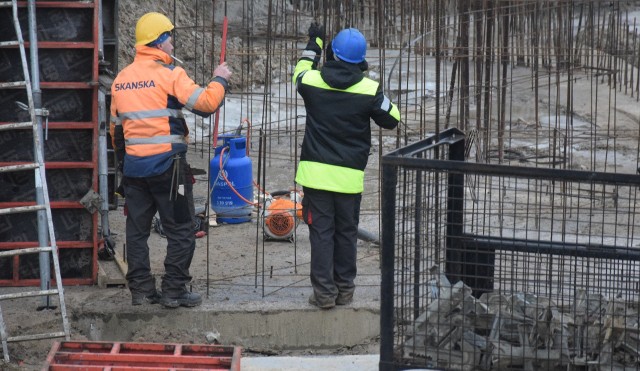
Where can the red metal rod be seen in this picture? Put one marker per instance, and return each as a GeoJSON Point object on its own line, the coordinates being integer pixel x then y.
{"type": "Point", "coordinates": [223, 51]}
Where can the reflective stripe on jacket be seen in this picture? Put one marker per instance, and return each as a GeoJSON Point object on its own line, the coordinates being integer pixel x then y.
{"type": "Point", "coordinates": [340, 103]}
{"type": "Point", "coordinates": [147, 98]}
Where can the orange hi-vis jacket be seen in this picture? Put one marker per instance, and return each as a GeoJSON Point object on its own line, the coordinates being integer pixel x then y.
{"type": "Point", "coordinates": [147, 123]}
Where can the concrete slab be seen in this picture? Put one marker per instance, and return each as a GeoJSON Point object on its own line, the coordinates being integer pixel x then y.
{"type": "Point", "coordinates": [335, 363]}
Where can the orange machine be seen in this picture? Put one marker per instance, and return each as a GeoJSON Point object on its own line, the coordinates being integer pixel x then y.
{"type": "Point", "coordinates": [282, 214]}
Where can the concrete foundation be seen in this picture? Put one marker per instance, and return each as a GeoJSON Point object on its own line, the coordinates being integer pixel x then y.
{"type": "Point", "coordinates": [265, 329]}
{"type": "Point", "coordinates": [273, 324]}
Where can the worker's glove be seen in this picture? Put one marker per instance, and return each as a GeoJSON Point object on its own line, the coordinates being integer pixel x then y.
{"type": "Point", "coordinates": [316, 30]}
{"type": "Point", "coordinates": [316, 38]}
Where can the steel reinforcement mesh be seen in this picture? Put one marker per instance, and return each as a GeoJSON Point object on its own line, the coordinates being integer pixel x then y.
{"type": "Point", "coordinates": [492, 267]}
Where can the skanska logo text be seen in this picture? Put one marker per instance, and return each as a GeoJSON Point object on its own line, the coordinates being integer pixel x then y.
{"type": "Point", "coordinates": [135, 85]}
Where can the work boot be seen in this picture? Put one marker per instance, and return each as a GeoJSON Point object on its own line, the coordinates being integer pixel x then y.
{"type": "Point", "coordinates": [187, 299]}
{"type": "Point", "coordinates": [327, 304]}
{"type": "Point", "coordinates": [344, 298]}
{"type": "Point", "coordinates": [138, 298]}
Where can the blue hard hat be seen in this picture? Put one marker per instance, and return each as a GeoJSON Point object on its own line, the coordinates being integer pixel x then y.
{"type": "Point", "coordinates": [349, 45]}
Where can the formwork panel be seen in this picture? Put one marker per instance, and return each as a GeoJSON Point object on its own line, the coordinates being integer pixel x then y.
{"type": "Point", "coordinates": [54, 24]}
{"type": "Point", "coordinates": [60, 146]}
{"type": "Point", "coordinates": [69, 104]}
{"type": "Point", "coordinates": [6, 268]}
{"type": "Point", "coordinates": [63, 184]}
{"type": "Point", "coordinates": [56, 65]}
{"type": "Point", "coordinates": [110, 20]}
{"type": "Point", "coordinates": [69, 146]}
{"type": "Point", "coordinates": [74, 264]}
{"type": "Point", "coordinates": [67, 35]}
{"type": "Point", "coordinates": [9, 109]}
{"type": "Point", "coordinates": [64, 105]}
{"type": "Point", "coordinates": [142, 356]}
{"type": "Point", "coordinates": [71, 224]}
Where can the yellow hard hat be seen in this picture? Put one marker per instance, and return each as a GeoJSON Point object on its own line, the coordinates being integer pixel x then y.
{"type": "Point", "coordinates": [150, 26]}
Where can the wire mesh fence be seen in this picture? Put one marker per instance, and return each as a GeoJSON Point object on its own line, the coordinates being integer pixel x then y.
{"type": "Point", "coordinates": [506, 267]}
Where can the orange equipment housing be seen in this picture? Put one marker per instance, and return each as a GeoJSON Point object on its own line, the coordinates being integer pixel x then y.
{"type": "Point", "coordinates": [281, 216]}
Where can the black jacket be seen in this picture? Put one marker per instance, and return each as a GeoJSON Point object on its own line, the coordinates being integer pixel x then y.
{"type": "Point", "coordinates": [338, 130]}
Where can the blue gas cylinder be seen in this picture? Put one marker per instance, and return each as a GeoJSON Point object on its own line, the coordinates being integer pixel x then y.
{"type": "Point", "coordinates": [228, 206]}
{"type": "Point", "coordinates": [223, 142]}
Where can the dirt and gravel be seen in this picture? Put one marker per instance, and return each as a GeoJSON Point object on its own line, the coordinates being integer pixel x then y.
{"type": "Point", "coordinates": [236, 267]}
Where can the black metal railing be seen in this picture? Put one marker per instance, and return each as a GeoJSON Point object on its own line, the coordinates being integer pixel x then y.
{"type": "Point", "coordinates": [489, 266]}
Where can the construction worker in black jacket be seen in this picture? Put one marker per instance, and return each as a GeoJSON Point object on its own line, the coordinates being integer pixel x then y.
{"type": "Point", "coordinates": [340, 102]}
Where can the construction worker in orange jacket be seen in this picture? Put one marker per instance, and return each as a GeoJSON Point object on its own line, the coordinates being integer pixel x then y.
{"type": "Point", "coordinates": [150, 138]}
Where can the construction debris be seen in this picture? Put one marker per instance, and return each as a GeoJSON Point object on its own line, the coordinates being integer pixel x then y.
{"type": "Point", "coordinates": [523, 331]}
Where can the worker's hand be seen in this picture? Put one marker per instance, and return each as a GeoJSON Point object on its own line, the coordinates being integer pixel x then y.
{"type": "Point", "coordinates": [223, 71]}
{"type": "Point", "coordinates": [316, 38]}
{"type": "Point", "coordinates": [316, 31]}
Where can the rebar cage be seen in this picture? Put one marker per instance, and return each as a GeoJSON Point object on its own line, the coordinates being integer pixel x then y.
{"type": "Point", "coordinates": [488, 266]}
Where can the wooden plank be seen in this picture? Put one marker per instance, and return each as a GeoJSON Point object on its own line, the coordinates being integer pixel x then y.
{"type": "Point", "coordinates": [112, 273]}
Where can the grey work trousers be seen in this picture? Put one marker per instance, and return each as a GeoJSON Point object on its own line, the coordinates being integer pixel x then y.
{"type": "Point", "coordinates": [333, 233]}
{"type": "Point", "coordinates": [145, 196]}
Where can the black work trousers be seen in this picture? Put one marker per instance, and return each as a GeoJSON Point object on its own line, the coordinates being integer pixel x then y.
{"type": "Point", "coordinates": [144, 197]}
{"type": "Point", "coordinates": [333, 233]}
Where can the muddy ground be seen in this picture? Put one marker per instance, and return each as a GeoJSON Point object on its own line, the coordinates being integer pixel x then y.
{"type": "Point", "coordinates": [234, 266]}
